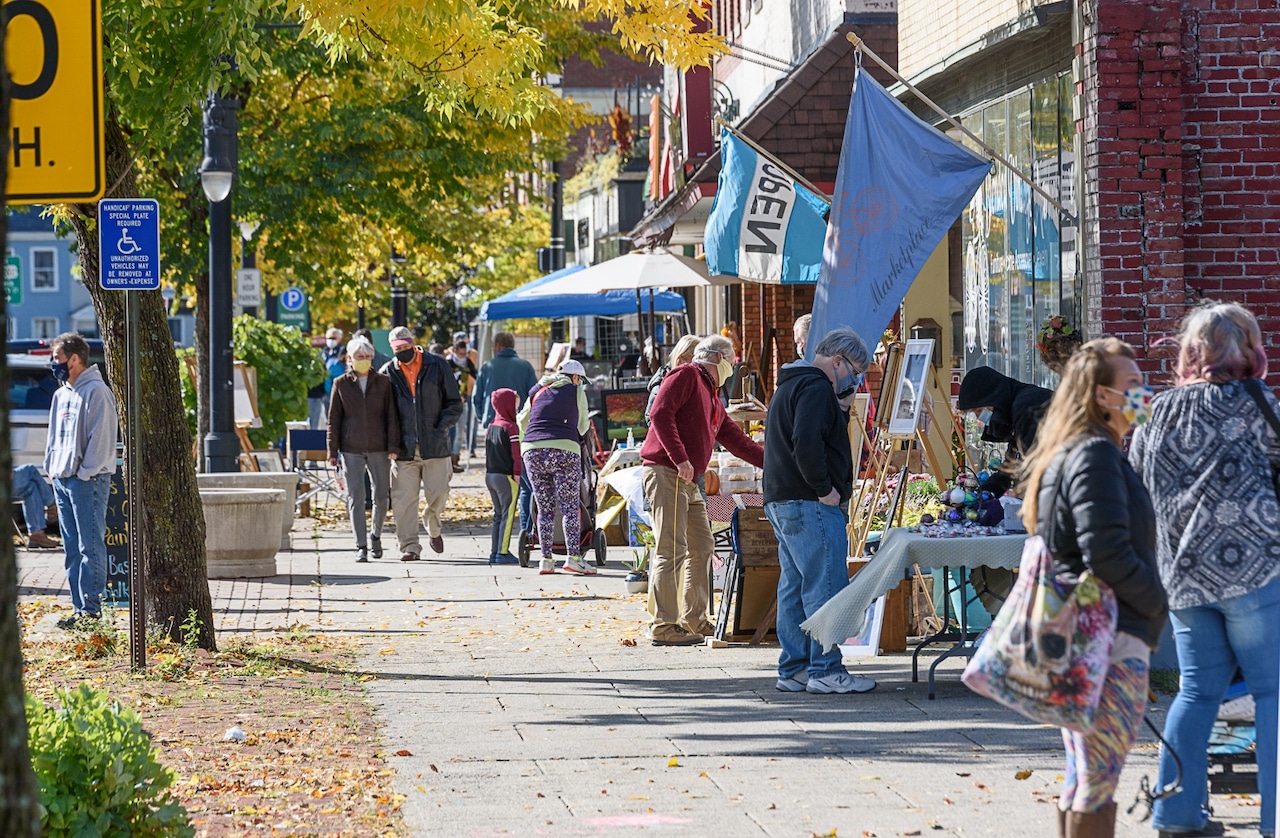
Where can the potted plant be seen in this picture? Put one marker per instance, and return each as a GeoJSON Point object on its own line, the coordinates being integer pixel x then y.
{"type": "Point", "coordinates": [637, 579]}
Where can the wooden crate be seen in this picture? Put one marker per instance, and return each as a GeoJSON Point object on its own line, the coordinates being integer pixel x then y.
{"type": "Point", "coordinates": [756, 540]}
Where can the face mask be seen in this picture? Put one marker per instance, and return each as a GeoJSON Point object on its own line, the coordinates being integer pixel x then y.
{"type": "Point", "coordinates": [362, 366]}
{"type": "Point", "coordinates": [1137, 403]}
{"type": "Point", "coordinates": [332, 343]}
{"type": "Point", "coordinates": [847, 383]}
{"type": "Point", "coordinates": [61, 372]}
{"type": "Point", "coordinates": [724, 371]}
{"type": "Point", "coordinates": [405, 356]}
{"type": "Point", "coordinates": [984, 417]}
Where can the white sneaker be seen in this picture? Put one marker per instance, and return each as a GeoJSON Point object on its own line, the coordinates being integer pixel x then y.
{"type": "Point", "coordinates": [579, 566]}
{"type": "Point", "coordinates": [795, 684]}
{"type": "Point", "coordinates": [546, 567]}
{"type": "Point", "coordinates": [840, 682]}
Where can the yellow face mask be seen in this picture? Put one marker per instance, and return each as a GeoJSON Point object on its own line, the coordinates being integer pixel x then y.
{"type": "Point", "coordinates": [362, 366]}
{"type": "Point", "coordinates": [724, 370]}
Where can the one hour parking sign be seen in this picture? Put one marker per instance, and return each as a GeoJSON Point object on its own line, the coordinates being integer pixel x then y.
{"type": "Point", "coordinates": [129, 244]}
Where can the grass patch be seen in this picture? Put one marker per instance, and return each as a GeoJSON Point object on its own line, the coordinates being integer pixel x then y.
{"type": "Point", "coordinates": [1166, 681]}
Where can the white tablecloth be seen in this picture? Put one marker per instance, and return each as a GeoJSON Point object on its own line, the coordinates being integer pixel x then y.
{"type": "Point", "coordinates": [843, 615]}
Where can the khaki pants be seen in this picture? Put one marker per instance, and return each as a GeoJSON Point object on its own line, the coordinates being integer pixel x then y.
{"type": "Point", "coordinates": [408, 479]}
{"type": "Point", "coordinates": [679, 585]}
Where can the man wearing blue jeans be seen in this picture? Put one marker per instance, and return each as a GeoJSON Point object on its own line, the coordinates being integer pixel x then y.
{"type": "Point", "coordinates": [808, 474]}
{"type": "Point", "coordinates": [80, 456]}
{"type": "Point", "coordinates": [30, 487]}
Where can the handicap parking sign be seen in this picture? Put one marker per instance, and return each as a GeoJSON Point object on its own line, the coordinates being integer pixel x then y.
{"type": "Point", "coordinates": [129, 244]}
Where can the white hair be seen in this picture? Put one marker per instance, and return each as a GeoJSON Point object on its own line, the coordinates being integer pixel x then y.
{"type": "Point", "coordinates": [712, 348]}
{"type": "Point", "coordinates": [360, 346]}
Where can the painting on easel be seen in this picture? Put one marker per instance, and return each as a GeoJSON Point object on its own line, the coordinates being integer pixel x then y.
{"type": "Point", "coordinates": [910, 393]}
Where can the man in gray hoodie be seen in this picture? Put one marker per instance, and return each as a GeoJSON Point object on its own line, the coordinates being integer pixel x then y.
{"type": "Point", "coordinates": [80, 457]}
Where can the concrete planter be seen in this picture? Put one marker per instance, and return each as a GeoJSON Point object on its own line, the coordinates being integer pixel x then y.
{"type": "Point", "coordinates": [242, 531]}
{"type": "Point", "coordinates": [286, 481]}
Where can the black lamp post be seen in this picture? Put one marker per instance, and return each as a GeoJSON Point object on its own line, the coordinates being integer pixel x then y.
{"type": "Point", "coordinates": [217, 172]}
{"type": "Point", "coordinates": [399, 294]}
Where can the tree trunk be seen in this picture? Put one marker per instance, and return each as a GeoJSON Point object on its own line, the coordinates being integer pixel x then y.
{"type": "Point", "coordinates": [19, 794]}
{"type": "Point", "coordinates": [173, 520]}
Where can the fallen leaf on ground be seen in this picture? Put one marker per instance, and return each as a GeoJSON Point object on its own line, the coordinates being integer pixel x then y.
{"type": "Point", "coordinates": [674, 762]}
{"type": "Point", "coordinates": [1023, 774]}
{"type": "Point", "coordinates": [404, 752]}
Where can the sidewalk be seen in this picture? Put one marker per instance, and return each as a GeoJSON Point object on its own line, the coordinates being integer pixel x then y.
{"type": "Point", "coordinates": [527, 710]}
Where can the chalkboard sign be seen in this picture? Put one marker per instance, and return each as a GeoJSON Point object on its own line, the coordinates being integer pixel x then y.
{"type": "Point", "coordinates": [117, 542]}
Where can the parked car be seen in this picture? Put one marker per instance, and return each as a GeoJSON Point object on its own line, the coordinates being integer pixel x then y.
{"type": "Point", "coordinates": [31, 389]}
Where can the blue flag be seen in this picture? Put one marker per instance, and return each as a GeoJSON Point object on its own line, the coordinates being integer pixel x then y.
{"type": "Point", "coordinates": [901, 184]}
{"type": "Point", "coordinates": [763, 226]}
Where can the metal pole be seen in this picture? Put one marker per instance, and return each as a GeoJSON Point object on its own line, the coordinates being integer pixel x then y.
{"type": "Point", "coordinates": [399, 305]}
{"type": "Point", "coordinates": [221, 445]}
{"type": "Point", "coordinates": [360, 315]}
{"type": "Point", "coordinates": [557, 215]}
{"type": "Point", "coordinates": [133, 487]}
{"type": "Point", "coordinates": [861, 46]}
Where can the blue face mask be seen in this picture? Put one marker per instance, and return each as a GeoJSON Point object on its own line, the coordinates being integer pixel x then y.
{"type": "Point", "coordinates": [61, 372]}
{"type": "Point", "coordinates": [847, 383]}
{"type": "Point", "coordinates": [984, 417]}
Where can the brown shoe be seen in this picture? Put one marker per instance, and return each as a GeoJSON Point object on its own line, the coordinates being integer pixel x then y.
{"type": "Point", "coordinates": [678, 638]}
{"type": "Point", "coordinates": [436, 543]}
{"type": "Point", "coordinates": [39, 541]}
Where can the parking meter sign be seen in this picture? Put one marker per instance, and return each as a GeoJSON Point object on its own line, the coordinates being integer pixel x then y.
{"type": "Point", "coordinates": [129, 244]}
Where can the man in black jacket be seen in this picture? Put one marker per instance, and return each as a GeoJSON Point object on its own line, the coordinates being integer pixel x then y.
{"type": "Point", "coordinates": [427, 400]}
{"type": "Point", "coordinates": [808, 473]}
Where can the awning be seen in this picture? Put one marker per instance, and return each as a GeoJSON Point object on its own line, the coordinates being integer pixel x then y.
{"type": "Point", "coordinates": [519, 303]}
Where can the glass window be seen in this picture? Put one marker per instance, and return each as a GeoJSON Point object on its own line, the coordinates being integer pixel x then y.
{"type": "Point", "coordinates": [1048, 175]}
{"type": "Point", "coordinates": [1072, 294]}
{"type": "Point", "coordinates": [1018, 269]}
{"type": "Point", "coordinates": [44, 327]}
{"type": "Point", "coordinates": [995, 123]}
{"type": "Point", "coordinates": [44, 269]}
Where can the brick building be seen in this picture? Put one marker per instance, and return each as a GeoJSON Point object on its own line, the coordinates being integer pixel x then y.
{"type": "Point", "coordinates": [1171, 106]}
{"type": "Point", "coordinates": [1183, 142]}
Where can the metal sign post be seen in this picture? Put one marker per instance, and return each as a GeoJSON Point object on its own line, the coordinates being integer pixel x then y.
{"type": "Point", "coordinates": [129, 261]}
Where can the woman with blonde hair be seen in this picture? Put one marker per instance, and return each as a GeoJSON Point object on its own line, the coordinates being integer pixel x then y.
{"type": "Point", "coordinates": [1208, 458]}
{"type": "Point", "coordinates": [681, 353]}
{"type": "Point", "coordinates": [1091, 509]}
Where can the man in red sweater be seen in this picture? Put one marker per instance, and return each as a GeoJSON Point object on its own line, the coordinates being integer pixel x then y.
{"type": "Point", "coordinates": [686, 422]}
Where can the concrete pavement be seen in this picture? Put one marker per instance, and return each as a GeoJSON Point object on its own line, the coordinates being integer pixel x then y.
{"type": "Point", "coordinates": [533, 705]}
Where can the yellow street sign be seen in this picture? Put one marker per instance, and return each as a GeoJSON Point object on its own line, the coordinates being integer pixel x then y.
{"type": "Point", "coordinates": [54, 52]}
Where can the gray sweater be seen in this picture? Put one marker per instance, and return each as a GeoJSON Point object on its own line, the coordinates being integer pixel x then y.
{"type": "Point", "coordinates": [1207, 457]}
{"type": "Point", "coordinates": [83, 428]}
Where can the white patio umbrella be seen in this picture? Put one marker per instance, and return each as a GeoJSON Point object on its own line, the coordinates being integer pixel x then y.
{"type": "Point", "coordinates": [635, 271]}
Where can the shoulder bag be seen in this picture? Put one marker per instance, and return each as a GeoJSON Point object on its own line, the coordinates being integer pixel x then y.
{"type": "Point", "coordinates": [1048, 650]}
{"type": "Point", "coordinates": [1253, 387]}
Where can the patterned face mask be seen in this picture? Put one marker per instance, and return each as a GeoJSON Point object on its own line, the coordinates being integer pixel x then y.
{"type": "Point", "coordinates": [1137, 403]}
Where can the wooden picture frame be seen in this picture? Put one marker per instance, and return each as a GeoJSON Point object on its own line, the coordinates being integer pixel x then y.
{"type": "Point", "coordinates": [909, 394]}
{"type": "Point", "coordinates": [268, 459]}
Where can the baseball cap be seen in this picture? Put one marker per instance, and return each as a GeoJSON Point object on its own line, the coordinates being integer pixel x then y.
{"type": "Point", "coordinates": [457, 336]}
{"type": "Point", "coordinates": [573, 368]}
{"type": "Point", "coordinates": [400, 334]}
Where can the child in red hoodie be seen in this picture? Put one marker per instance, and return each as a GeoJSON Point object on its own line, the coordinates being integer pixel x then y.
{"type": "Point", "coordinates": [502, 472]}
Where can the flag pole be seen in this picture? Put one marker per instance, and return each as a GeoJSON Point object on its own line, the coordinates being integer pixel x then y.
{"type": "Point", "coordinates": [790, 171]}
{"type": "Point", "coordinates": [862, 47]}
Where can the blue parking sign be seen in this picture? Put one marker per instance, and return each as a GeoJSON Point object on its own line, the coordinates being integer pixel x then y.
{"type": "Point", "coordinates": [293, 299]}
{"type": "Point", "coordinates": [129, 244]}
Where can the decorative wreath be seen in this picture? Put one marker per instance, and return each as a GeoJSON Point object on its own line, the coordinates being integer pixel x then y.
{"type": "Point", "coordinates": [1057, 341]}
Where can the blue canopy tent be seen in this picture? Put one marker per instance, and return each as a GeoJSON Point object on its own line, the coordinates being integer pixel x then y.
{"type": "Point", "coordinates": [518, 303]}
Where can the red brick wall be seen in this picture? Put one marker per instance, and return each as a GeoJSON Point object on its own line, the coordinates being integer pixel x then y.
{"type": "Point", "coordinates": [1184, 168]}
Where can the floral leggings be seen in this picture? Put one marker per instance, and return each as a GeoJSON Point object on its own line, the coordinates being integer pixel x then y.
{"type": "Point", "coordinates": [1094, 760]}
{"type": "Point", "coordinates": [556, 476]}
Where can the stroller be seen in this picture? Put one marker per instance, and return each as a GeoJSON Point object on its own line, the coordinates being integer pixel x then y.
{"type": "Point", "coordinates": [592, 537]}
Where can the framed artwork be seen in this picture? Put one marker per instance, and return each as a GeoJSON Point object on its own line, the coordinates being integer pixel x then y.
{"type": "Point", "coordinates": [867, 642]}
{"type": "Point", "coordinates": [623, 411]}
{"type": "Point", "coordinates": [558, 355]}
{"type": "Point", "coordinates": [908, 398]}
{"type": "Point", "coordinates": [268, 459]}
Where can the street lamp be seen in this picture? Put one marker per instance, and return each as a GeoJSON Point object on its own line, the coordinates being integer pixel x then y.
{"type": "Point", "coordinates": [399, 294]}
{"type": "Point", "coordinates": [217, 173]}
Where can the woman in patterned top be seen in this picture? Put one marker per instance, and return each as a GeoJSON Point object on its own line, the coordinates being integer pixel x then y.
{"type": "Point", "coordinates": [1208, 458]}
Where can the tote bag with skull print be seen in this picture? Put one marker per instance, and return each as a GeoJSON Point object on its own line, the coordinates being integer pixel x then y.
{"type": "Point", "coordinates": [1049, 649]}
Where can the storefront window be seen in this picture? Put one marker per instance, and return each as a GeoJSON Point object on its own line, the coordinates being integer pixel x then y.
{"type": "Point", "coordinates": [1019, 261]}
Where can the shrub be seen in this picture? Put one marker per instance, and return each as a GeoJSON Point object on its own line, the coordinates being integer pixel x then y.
{"type": "Point", "coordinates": [97, 771]}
